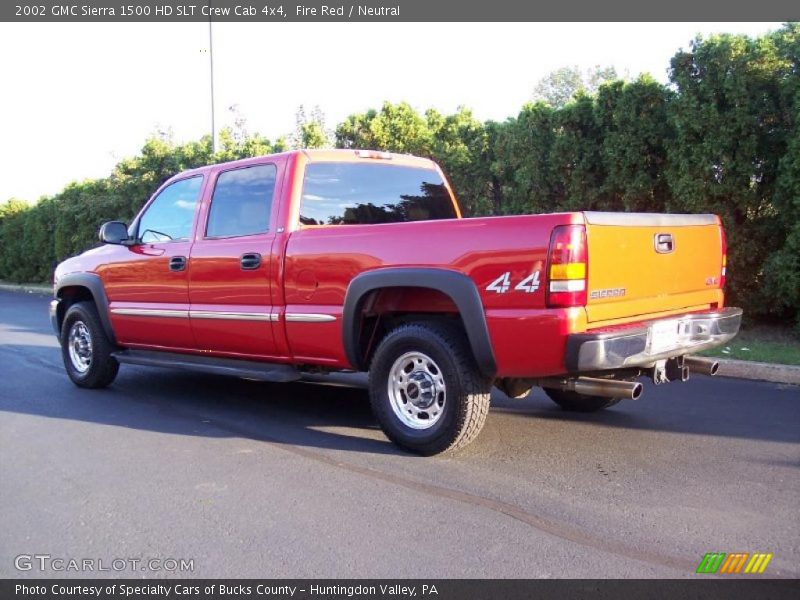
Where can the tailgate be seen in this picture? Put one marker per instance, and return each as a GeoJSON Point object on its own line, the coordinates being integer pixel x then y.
{"type": "Point", "coordinates": [643, 264]}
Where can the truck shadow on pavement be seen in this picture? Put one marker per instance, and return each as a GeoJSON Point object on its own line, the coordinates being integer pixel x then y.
{"type": "Point", "coordinates": [332, 416]}
{"type": "Point", "coordinates": [196, 404]}
{"type": "Point", "coordinates": [703, 406]}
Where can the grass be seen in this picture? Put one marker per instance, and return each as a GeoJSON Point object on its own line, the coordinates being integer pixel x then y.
{"type": "Point", "coordinates": [761, 343]}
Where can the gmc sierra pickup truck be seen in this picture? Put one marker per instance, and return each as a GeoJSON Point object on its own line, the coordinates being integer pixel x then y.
{"type": "Point", "coordinates": [348, 260]}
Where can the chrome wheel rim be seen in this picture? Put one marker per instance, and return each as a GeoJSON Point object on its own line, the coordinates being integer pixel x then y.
{"type": "Point", "coordinates": [417, 391]}
{"type": "Point", "coordinates": [80, 346]}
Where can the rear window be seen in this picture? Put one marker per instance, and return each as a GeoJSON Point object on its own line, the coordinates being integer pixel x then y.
{"type": "Point", "coordinates": [358, 193]}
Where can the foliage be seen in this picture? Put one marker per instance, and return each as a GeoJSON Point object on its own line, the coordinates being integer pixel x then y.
{"type": "Point", "coordinates": [562, 85]}
{"type": "Point", "coordinates": [732, 120]}
{"type": "Point", "coordinates": [396, 128]}
{"type": "Point", "coordinates": [723, 137]}
{"type": "Point", "coordinates": [634, 135]}
{"type": "Point", "coordinates": [33, 238]}
{"type": "Point", "coordinates": [521, 165]}
{"type": "Point", "coordinates": [782, 268]}
{"type": "Point", "coordinates": [310, 131]}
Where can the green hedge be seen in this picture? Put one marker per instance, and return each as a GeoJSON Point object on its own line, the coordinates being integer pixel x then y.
{"type": "Point", "coordinates": [722, 137]}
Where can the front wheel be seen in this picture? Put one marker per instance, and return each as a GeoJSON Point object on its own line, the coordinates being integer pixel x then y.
{"type": "Point", "coordinates": [86, 349]}
{"type": "Point", "coordinates": [426, 390]}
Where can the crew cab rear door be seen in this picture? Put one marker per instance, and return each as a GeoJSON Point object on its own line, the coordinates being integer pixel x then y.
{"type": "Point", "coordinates": [643, 265]}
{"type": "Point", "coordinates": [230, 288]}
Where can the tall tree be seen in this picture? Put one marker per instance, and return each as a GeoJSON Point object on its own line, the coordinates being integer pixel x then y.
{"type": "Point", "coordinates": [730, 119]}
{"type": "Point", "coordinates": [576, 160]}
{"type": "Point", "coordinates": [460, 144]}
{"type": "Point", "coordinates": [310, 130]}
{"type": "Point", "coordinates": [395, 128]}
{"type": "Point", "coordinates": [782, 269]}
{"type": "Point", "coordinates": [634, 136]}
{"type": "Point", "coordinates": [521, 161]}
{"type": "Point", "coordinates": [559, 87]}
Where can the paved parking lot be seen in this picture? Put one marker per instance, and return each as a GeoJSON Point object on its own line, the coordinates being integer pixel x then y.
{"type": "Point", "coordinates": [251, 479]}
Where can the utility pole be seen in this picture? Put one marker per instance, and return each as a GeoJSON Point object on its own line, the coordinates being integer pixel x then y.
{"type": "Point", "coordinates": [211, 68]}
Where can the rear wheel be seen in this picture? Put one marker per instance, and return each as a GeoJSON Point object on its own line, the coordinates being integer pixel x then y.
{"type": "Point", "coordinates": [426, 390]}
{"type": "Point", "coordinates": [86, 349]}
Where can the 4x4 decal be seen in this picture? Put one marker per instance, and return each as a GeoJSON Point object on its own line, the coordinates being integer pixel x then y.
{"type": "Point", "coordinates": [503, 283]}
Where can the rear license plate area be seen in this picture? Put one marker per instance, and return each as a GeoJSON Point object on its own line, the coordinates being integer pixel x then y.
{"type": "Point", "coordinates": [663, 336]}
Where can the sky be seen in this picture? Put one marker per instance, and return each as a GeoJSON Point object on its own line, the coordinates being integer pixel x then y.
{"type": "Point", "coordinates": [77, 98]}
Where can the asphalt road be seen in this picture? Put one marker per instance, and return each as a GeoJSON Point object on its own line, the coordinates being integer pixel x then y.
{"type": "Point", "coordinates": [295, 480]}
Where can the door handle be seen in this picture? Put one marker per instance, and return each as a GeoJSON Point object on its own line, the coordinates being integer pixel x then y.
{"type": "Point", "coordinates": [250, 261]}
{"type": "Point", "coordinates": [177, 263]}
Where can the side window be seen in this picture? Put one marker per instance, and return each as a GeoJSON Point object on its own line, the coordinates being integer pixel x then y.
{"type": "Point", "coordinates": [242, 202]}
{"type": "Point", "coordinates": [170, 216]}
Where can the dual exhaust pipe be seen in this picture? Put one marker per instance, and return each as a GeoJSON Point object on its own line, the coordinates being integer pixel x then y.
{"type": "Point", "coordinates": [629, 390]}
{"type": "Point", "coordinates": [594, 386]}
{"type": "Point", "coordinates": [701, 366]}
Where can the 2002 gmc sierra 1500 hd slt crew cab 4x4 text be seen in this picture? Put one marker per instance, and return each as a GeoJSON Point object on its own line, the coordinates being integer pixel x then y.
{"type": "Point", "coordinates": [336, 260]}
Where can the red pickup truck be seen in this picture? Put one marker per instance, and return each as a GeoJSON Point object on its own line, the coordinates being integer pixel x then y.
{"type": "Point", "coordinates": [348, 260]}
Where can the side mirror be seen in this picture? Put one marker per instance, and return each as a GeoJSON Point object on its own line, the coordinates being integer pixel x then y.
{"type": "Point", "coordinates": [113, 232]}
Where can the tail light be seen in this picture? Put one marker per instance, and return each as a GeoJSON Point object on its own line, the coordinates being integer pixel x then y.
{"type": "Point", "coordinates": [724, 268]}
{"type": "Point", "coordinates": [567, 266]}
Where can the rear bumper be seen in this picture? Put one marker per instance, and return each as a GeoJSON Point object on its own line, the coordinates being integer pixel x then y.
{"type": "Point", "coordinates": [643, 344]}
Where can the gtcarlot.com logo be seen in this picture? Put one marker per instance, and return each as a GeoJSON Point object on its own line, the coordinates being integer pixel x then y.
{"type": "Point", "coordinates": [734, 563]}
{"type": "Point", "coordinates": [46, 562]}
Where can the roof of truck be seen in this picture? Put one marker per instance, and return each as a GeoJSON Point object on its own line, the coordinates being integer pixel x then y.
{"type": "Point", "coordinates": [326, 155]}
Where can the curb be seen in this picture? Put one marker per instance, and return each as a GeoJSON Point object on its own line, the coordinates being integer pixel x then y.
{"type": "Point", "coordinates": [27, 288]}
{"type": "Point", "coordinates": [744, 369]}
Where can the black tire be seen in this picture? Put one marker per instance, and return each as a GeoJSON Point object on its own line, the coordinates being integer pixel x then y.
{"type": "Point", "coordinates": [575, 402]}
{"type": "Point", "coordinates": [100, 369]}
{"type": "Point", "coordinates": [459, 386]}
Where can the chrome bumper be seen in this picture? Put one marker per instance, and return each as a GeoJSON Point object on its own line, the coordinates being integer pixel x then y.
{"type": "Point", "coordinates": [54, 317]}
{"type": "Point", "coordinates": [643, 344]}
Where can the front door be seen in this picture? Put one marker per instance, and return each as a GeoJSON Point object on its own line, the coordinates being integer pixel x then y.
{"type": "Point", "coordinates": [148, 289]}
{"type": "Point", "coordinates": [229, 288]}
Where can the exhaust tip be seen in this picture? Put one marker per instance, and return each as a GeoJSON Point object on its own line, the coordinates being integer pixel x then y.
{"type": "Point", "coordinates": [701, 366]}
{"type": "Point", "coordinates": [685, 374]}
{"type": "Point", "coordinates": [637, 390]}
